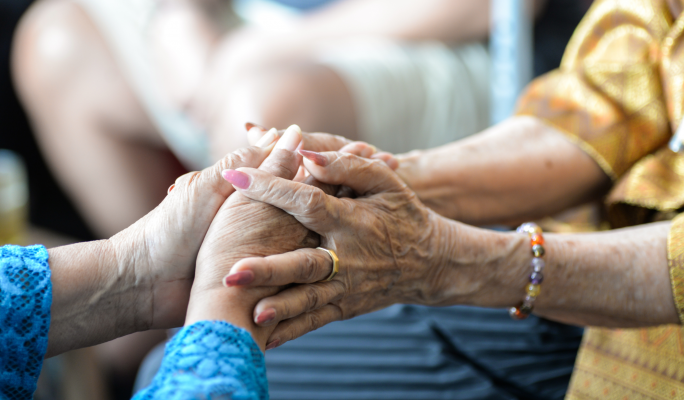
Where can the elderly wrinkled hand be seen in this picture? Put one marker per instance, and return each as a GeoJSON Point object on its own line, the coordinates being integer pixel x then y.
{"type": "Point", "coordinates": [159, 251]}
{"type": "Point", "coordinates": [388, 242]}
{"type": "Point", "coordinates": [245, 228]}
{"type": "Point", "coordinates": [319, 141]}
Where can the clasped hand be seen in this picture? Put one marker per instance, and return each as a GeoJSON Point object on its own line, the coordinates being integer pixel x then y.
{"type": "Point", "coordinates": [250, 256]}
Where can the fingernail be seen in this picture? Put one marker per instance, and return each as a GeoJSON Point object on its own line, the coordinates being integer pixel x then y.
{"type": "Point", "coordinates": [318, 158]}
{"type": "Point", "coordinates": [267, 139]}
{"type": "Point", "coordinates": [273, 344]}
{"type": "Point", "coordinates": [237, 178]}
{"type": "Point", "coordinates": [375, 149]}
{"type": "Point", "coordinates": [250, 125]}
{"type": "Point", "coordinates": [239, 278]}
{"type": "Point", "coordinates": [291, 138]}
{"type": "Point", "coordinates": [265, 316]}
{"type": "Point", "coordinates": [171, 188]}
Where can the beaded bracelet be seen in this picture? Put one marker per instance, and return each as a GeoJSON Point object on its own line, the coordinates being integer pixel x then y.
{"type": "Point", "coordinates": [533, 288]}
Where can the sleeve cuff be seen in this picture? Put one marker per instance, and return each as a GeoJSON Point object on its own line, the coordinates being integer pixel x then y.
{"type": "Point", "coordinates": [675, 260]}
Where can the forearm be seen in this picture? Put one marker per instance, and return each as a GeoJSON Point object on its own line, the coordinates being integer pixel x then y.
{"type": "Point", "coordinates": [618, 278]}
{"type": "Point", "coordinates": [95, 297]}
{"type": "Point", "coordinates": [518, 170]}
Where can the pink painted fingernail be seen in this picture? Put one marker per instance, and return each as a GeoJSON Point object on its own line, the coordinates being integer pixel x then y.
{"type": "Point", "coordinates": [250, 125]}
{"type": "Point", "coordinates": [318, 158]}
{"type": "Point", "coordinates": [273, 344]}
{"type": "Point", "coordinates": [171, 188]}
{"type": "Point", "coordinates": [237, 178]}
{"type": "Point", "coordinates": [265, 316]}
{"type": "Point", "coordinates": [291, 138]}
{"type": "Point", "coordinates": [239, 278]}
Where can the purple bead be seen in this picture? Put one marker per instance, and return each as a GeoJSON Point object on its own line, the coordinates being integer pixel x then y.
{"type": "Point", "coordinates": [536, 278]}
{"type": "Point", "coordinates": [538, 264]}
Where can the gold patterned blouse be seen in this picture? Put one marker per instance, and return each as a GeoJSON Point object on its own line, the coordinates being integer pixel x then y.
{"type": "Point", "coordinates": [619, 95]}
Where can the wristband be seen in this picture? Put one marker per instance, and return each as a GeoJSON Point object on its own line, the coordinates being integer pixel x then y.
{"type": "Point", "coordinates": [537, 265]}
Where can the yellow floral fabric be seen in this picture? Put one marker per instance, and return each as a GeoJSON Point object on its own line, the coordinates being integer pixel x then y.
{"type": "Point", "coordinates": [619, 95]}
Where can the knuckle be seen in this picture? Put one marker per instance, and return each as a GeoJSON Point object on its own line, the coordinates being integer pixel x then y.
{"type": "Point", "coordinates": [313, 199]}
{"type": "Point", "coordinates": [314, 319]}
{"type": "Point", "coordinates": [286, 310]}
{"type": "Point", "coordinates": [269, 274]}
{"type": "Point", "coordinates": [242, 157]}
{"type": "Point", "coordinates": [338, 312]}
{"type": "Point", "coordinates": [238, 158]}
{"type": "Point", "coordinates": [347, 158]}
{"type": "Point", "coordinates": [186, 179]}
{"type": "Point", "coordinates": [308, 271]}
{"type": "Point", "coordinates": [281, 163]}
{"type": "Point", "coordinates": [376, 162]}
{"type": "Point", "coordinates": [312, 297]}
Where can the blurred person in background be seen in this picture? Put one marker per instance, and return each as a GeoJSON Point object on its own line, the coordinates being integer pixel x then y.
{"type": "Point", "coordinates": [111, 86]}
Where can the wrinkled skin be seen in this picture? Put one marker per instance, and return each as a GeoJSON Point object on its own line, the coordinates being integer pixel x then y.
{"type": "Point", "coordinates": [388, 242]}
{"type": "Point", "coordinates": [158, 252]}
{"type": "Point", "coordinates": [246, 228]}
{"type": "Point", "coordinates": [319, 141]}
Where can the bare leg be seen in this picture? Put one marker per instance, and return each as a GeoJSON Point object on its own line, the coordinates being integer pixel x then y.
{"type": "Point", "coordinates": [95, 135]}
{"type": "Point", "coordinates": [92, 129]}
{"type": "Point", "coordinates": [310, 95]}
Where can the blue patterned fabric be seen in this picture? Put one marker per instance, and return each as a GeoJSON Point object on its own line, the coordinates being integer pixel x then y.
{"type": "Point", "coordinates": [25, 299]}
{"type": "Point", "coordinates": [206, 360]}
{"type": "Point", "coordinates": [210, 360]}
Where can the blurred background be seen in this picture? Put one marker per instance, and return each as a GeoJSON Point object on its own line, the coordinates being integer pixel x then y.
{"type": "Point", "coordinates": [48, 208]}
{"type": "Point", "coordinates": [527, 40]}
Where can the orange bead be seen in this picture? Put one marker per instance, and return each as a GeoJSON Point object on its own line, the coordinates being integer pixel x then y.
{"type": "Point", "coordinates": [537, 239]}
{"type": "Point", "coordinates": [516, 313]}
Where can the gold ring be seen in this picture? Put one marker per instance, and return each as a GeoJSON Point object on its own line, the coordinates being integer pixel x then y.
{"type": "Point", "coordinates": [336, 264]}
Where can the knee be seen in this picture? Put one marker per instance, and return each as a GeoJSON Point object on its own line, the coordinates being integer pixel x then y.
{"type": "Point", "coordinates": [50, 44]}
{"type": "Point", "coordinates": [288, 96]}
{"type": "Point", "coordinates": [294, 97]}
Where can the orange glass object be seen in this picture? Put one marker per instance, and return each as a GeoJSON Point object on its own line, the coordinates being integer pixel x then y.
{"type": "Point", "coordinates": [537, 239]}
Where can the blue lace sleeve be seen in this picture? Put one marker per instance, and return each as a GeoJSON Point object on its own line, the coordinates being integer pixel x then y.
{"type": "Point", "coordinates": [25, 300]}
{"type": "Point", "coordinates": [210, 360]}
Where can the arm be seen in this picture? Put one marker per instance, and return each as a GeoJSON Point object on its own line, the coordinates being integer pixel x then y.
{"type": "Point", "coordinates": [95, 299]}
{"type": "Point", "coordinates": [618, 278]}
{"type": "Point", "coordinates": [210, 359]}
{"type": "Point", "coordinates": [518, 170]}
{"type": "Point", "coordinates": [392, 249]}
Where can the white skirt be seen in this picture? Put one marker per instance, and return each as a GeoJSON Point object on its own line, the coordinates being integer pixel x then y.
{"type": "Point", "coordinates": [407, 95]}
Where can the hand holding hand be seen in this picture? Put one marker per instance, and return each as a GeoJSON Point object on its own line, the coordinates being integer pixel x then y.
{"type": "Point", "coordinates": [320, 142]}
{"type": "Point", "coordinates": [388, 243]}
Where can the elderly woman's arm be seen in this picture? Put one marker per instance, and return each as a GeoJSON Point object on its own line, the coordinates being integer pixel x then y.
{"type": "Point", "coordinates": [518, 170]}
{"type": "Point", "coordinates": [393, 249]}
{"type": "Point", "coordinates": [521, 169]}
